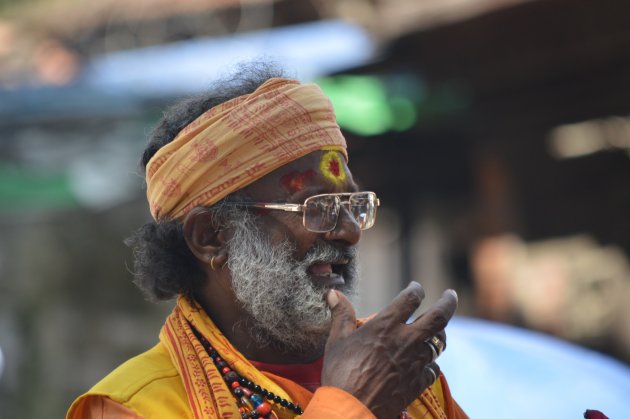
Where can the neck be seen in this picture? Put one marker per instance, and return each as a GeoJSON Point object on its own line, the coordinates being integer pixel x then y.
{"type": "Point", "coordinates": [273, 353]}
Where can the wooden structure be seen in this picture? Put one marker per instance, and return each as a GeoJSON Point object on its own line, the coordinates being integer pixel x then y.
{"type": "Point", "coordinates": [520, 71]}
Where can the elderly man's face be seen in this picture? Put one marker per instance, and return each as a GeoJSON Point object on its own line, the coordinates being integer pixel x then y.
{"type": "Point", "coordinates": [280, 270]}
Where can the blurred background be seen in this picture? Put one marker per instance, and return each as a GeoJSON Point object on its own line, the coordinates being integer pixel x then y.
{"type": "Point", "coordinates": [496, 133]}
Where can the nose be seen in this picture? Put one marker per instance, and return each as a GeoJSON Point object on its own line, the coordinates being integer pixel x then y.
{"type": "Point", "coordinates": [347, 229]}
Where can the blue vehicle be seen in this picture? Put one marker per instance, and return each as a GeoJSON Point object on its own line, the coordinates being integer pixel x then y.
{"type": "Point", "coordinates": [499, 371]}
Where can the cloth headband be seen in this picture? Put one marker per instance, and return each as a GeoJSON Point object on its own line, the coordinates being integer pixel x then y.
{"type": "Point", "coordinates": [237, 142]}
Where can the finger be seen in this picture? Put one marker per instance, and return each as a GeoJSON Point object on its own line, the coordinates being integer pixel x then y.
{"type": "Point", "coordinates": [431, 351]}
{"type": "Point", "coordinates": [437, 316]}
{"type": "Point", "coordinates": [430, 374]}
{"type": "Point", "coordinates": [343, 317]}
{"type": "Point", "coordinates": [405, 303]}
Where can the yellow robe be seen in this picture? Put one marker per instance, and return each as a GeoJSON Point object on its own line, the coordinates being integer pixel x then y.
{"type": "Point", "coordinates": [177, 379]}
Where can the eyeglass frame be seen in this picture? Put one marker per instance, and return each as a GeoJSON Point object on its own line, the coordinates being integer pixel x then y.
{"type": "Point", "coordinates": [289, 207]}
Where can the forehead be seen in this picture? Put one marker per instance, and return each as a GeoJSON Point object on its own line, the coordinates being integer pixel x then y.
{"type": "Point", "coordinates": [318, 172]}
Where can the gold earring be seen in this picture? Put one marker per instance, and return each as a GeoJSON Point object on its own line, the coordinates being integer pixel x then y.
{"type": "Point", "coordinates": [212, 263]}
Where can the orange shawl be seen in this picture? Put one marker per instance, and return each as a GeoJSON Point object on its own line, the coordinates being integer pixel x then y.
{"type": "Point", "coordinates": [209, 395]}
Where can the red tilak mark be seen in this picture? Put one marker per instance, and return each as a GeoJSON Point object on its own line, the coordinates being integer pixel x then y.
{"type": "Point", "coordinates": [295, 181]}
{"type": "Point", "coordinates": [334, 167]}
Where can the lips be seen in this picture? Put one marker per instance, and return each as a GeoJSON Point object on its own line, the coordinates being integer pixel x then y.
{"type": "Point", "coordinates": [327, 274]}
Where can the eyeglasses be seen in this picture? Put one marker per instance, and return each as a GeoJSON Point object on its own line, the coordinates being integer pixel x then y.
{"type": "Point", "coordinates": [321, 212]}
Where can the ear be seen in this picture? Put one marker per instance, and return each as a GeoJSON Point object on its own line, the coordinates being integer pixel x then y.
{"type": "Point", "coordinates": [204, 238]}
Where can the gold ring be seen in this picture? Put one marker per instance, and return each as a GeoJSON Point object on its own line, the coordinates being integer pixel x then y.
{"type": "Point", "coordinates": [436, 345]}
{"type": "Point", "coordinates": [212, 263]}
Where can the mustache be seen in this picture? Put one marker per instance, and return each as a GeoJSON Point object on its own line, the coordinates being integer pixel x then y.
{"type": "Point", "coordinates": [329, 253]}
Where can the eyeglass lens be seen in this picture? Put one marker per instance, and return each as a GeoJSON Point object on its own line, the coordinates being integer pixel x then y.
{"type": "Point", "coordinates": [322, 211]}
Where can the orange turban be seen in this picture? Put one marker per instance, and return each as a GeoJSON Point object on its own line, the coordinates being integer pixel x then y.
{"type": "Point", "coordinates": [237, 142]}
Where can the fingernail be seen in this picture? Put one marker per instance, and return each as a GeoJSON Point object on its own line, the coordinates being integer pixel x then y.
{"type": "Point", "coordinates": [453, 293]}
{"type": "Point", "coordinates": [332, 298]}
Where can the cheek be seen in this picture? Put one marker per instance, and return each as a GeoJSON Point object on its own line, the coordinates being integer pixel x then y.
{"type": "Point", "coordinates": [283, 225]}
{"type": "Point", "coordinates": [289, 227]}
{"type": "Point", "coordinates": [304, 243]}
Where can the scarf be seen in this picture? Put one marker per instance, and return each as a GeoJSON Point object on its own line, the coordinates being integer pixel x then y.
{"type": "Point", "coordinates": [208, 394]}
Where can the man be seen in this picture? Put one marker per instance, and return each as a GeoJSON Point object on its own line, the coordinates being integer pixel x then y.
{"type": "Point", "coordinates": [257, 219]}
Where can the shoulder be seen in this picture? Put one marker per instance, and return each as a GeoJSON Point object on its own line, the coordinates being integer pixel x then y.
{"type": "Point", "coordinates": [148, 384]}
{"type": "Point", "coordinates": [137, 374]}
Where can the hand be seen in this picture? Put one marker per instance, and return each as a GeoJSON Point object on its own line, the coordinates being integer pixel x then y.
{"type": "Point", "coordinates": [384, 362]}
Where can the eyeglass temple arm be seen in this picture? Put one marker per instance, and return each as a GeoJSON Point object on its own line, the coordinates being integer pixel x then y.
{"type": "Point", "coordinates": [291, 207]}
{"type": "Point", "coordinates": [282, 207]}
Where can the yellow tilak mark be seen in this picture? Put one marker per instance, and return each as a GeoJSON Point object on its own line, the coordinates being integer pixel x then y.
{"type": "Point", "coordinates": [331, 167]}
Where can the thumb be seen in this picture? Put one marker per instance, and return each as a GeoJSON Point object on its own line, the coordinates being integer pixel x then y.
{"type": "Point", "coordinates": [344, 319]}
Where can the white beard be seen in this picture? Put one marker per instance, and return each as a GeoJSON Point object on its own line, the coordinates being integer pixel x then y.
{"type": "Point", "coordinates": [289, 312]}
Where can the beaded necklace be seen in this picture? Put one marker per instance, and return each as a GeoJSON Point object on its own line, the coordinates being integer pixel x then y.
{"type": "Point", "coordinates": [249, 396]}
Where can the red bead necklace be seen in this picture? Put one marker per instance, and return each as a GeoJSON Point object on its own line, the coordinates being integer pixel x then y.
{"type": "Point", "coordinates": [250, 397]}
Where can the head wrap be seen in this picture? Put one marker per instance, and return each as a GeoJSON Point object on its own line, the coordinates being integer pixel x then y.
{"type": "Point", "coordinates": [237, 142]}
